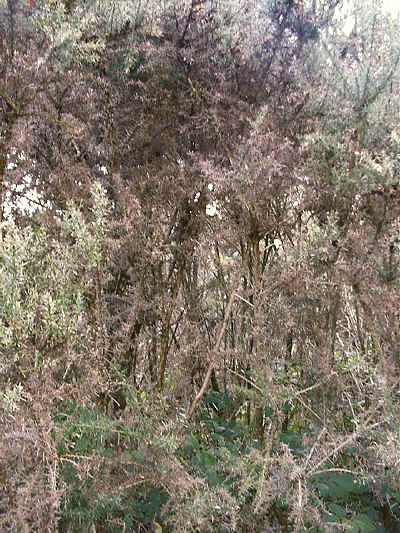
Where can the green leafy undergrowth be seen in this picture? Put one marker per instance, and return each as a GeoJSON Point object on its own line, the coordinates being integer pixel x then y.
{"type": "Point", "coordinates": [106, 471]}
{"type": "Point", "coordinates": [102, 468]}
{"type": "Point", "coordinates": [211, 449]}
{"type": "Point", "coordinates": [125, 510]}
{"type": "Point", "coordinates": [357, 506]}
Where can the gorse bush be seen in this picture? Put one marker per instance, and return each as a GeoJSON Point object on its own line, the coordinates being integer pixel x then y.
{"type": "Point", "coordinates": [43, 280]}
{"type": "Point", "coordinates": [139, 464]}
{"type": "Point", "coordinates": [199, 266]}
{"type": "Point", "coordinates": [48, 354]}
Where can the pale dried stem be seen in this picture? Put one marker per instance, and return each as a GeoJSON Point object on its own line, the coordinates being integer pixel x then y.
{"type": "Point", "coordinates": [215, 351]}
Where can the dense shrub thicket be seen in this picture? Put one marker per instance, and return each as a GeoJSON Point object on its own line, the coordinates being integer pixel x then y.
{"type": "Point", "coordinates": [199, 266]}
